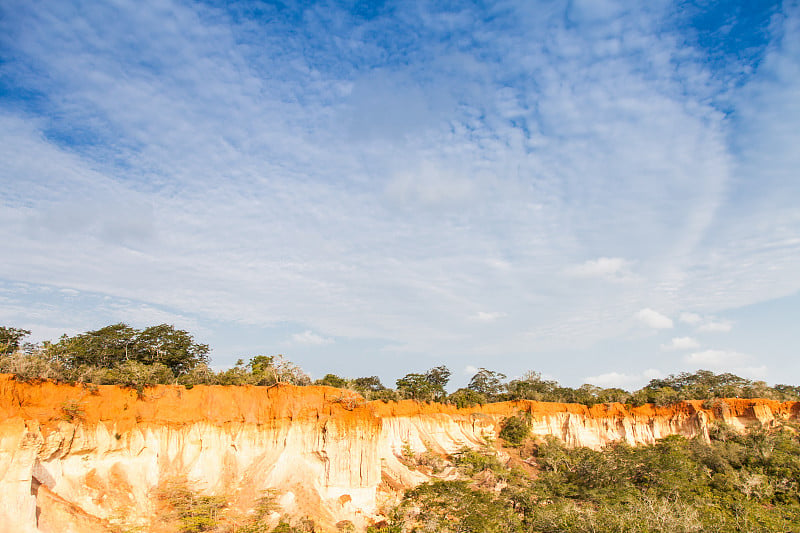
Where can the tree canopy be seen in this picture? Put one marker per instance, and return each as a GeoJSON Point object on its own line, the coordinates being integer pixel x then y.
{"type": "Point", "coordinates": [113, 345]}
{"type": "Point", "coordinates": [119, 353]}
{"type": "Point", "coordinates": [10, 339]}
{"type": "Point", "coordinates": [429, 386]}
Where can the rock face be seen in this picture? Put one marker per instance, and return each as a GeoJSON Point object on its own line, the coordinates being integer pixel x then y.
{"type": "Point", "coordinates": [81, 459]}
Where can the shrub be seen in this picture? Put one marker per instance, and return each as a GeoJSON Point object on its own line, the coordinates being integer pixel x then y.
{"type": "Point", "coordinates": [332, 380]}
{"type": "Point", "coordinates": [516, 429]}
{"type": "Point", "coordinates": [385, 395]}
{"type": "Point", "coordinates": [194, 512]}
{"type": "Point", "coordinates": [466, 398]}
{"type": "Point", "coordinates": [472, 462]}
{"type": "Point", "coordinates": [33, 366]}
{"type": "Point", "coordinates": [451, 506]}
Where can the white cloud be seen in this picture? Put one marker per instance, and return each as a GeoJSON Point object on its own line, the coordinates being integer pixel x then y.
{"type": "Point", "coordinates": [715, 327]}
{"type": "Point", "coordinates": [485, 316]}
{"type": "Point", "coordinates": [310, 338]}
{"type": "Point", "coordinates": [610, 268]}
{"type": "Point", "coordinates": [717, 358]}
{"type": "Point", "coordinates": [654, 319]}
{"type": "Point", "coordinates": [705, 323]}
{"type": "Point", "coordinates": [728, 361]}
{"type": "Point", "coordinates": [752, 372]}
{"type": "Point", "coordinates": [623, 380]}
{"type": "Point", "coordinates": [681, 343]}
{"type": "Point", "coordinates": [690, 318]}
{"type": "Point", "coordinates": [611, 379]}
{"type": "Point", "coordinates": [470, 370]}
{"type": "Point", "coordinates": [652, 373]}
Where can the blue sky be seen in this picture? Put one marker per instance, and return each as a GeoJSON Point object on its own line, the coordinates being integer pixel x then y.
{"type": "Point", "coordinates": [600, 191]}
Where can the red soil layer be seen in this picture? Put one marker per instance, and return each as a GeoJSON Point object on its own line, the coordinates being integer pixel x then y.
{"type": "Point", "coordinates": [49, 403]}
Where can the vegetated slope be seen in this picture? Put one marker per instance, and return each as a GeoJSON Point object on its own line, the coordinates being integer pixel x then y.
{"type": "Point", "coordinates": [90, 458]}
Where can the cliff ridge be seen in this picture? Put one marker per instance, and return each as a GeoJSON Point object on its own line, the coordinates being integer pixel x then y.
{"type": "Point", "coordinates": [85, 458]}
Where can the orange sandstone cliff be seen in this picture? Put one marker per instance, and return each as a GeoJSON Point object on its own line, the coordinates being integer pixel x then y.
{"type": "Point", "coordinates": [82, 459]}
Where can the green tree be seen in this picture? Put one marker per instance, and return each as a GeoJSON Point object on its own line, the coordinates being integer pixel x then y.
{"type": "Point", "coordinates": [612, 395]}
{"type": "Point", "coordinates": [10, 339]}
{"type": "Point", "coordinates": [516, 429]}
{"type": "Point", "coordinates": [454, 506]}
{"type": "Point", "coordinates": [262, 370]}
{"type": "Point", "coordinates": [368, 384]}
{"type": "Point", "coordinates": [466, 398]}
{"type": "Point", "coordinates": [438, 376]}
{"type": "Point", "coordinates": [102, 348]}
{"type": "Point", "coordinates": [425, 387]}
{"type": "Point", "coordinates": [174, 348]}
{"type": "Point", "coordinates": [416, 387]}
{"type": "Point", "coordinates": [332, 380]}
{"type": "Point", "coordinates": [532, 387]}
{"type": "Point", "coordinates": [194, 512]}
{"type": "Point", "coordinates": [704, 384]}
{"type": "Point", "coordinates": [487, 382]}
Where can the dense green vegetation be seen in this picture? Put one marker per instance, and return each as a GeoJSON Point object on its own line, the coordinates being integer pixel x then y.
{"type": "Point", "coordinates": [162, 354]}
{"type": "Point", "coordinates": [10, 339]}
{"type": "Point", "coordinates": [119, 354]}
{"type": "Point", "coordinates": [735, 483]}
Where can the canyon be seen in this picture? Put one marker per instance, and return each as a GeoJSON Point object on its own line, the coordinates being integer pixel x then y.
{"type": "Point", "coordinates": [87, 458]}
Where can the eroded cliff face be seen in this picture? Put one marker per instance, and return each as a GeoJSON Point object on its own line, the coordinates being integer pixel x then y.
{"type": "Point", "coordinates": [79, 459]}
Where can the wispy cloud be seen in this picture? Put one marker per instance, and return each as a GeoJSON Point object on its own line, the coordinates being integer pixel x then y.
{"type": "Point", "coordinates": [681, 343]}
{"type": "Point", "coordinates": [690, 318]}
{"type": "Point", "coordinates": [610, 268]}
{"type": "Point", "coordinates": [624, 380]}
{"type": "Point", "coordinates": [485, 316]}
{"type": "Point", "coordinates": [314, 168]}
{"type": "Point", "coordinates": [311, 338]}
{"type": "Point", "coordinates": [705, 323]}
{"type": "Point", "coordinates": [715, 327]}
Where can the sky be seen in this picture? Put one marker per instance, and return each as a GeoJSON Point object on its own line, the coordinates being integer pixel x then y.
{"type": "Point", "coordinates": [599, 191]}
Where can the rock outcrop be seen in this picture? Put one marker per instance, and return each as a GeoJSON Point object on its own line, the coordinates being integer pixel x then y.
{"type": "Point", "coordinates": [83, 458]}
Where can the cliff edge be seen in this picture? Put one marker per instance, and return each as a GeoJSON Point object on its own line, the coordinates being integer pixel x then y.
{"type": "Point", "coordinates": [85, 458]}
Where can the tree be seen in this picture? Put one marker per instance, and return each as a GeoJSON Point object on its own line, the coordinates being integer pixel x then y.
{"type": "Point", "coordinates": [288, 372]}
{"type": "Point", "coordinates": [454, 506]}
{"type": "Point", "coordinates": [172, 347]}
{"type": "Point", "coordinates": [416, 387]}
{"type": "Point", "coordinates": [704, 384]}
{"type": "Point", "coordinates": [438, 376]}
{"type": "Point", "coordinates": [261, 365]}
{"type": "Point", "coordinates": [10, 339]}
{"type": "Point", "coordinates": [425, 387]}
{"type": "Point", "coordinates": [332, 380]}
{"type": "Point", "coordinates": [102, 348]}
{"type": "Point", "coordinates": [113, 345]}
{"type": "Point", "coordinates": [487, 382]}
{"type": "Point", "coordinates": [516, 428]}
{"type": "Point", "coordinates": [613, 394]}
{"type": "Point", "coordinates": [533, 387]}
{"type": "Point", "coordinates": [368, 384]}
{"type": "Point", "coordinates": [466, 398]}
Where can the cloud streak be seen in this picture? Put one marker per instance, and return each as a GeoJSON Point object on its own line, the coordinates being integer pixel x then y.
{"type": "Point", "coordinates": [681, 343]}
{"type": "Point", "coordinates": [314, 170]}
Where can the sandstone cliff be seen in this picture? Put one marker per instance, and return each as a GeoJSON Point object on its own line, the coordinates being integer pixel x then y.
{"type": "Point", "coordinates": [81, 459]}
